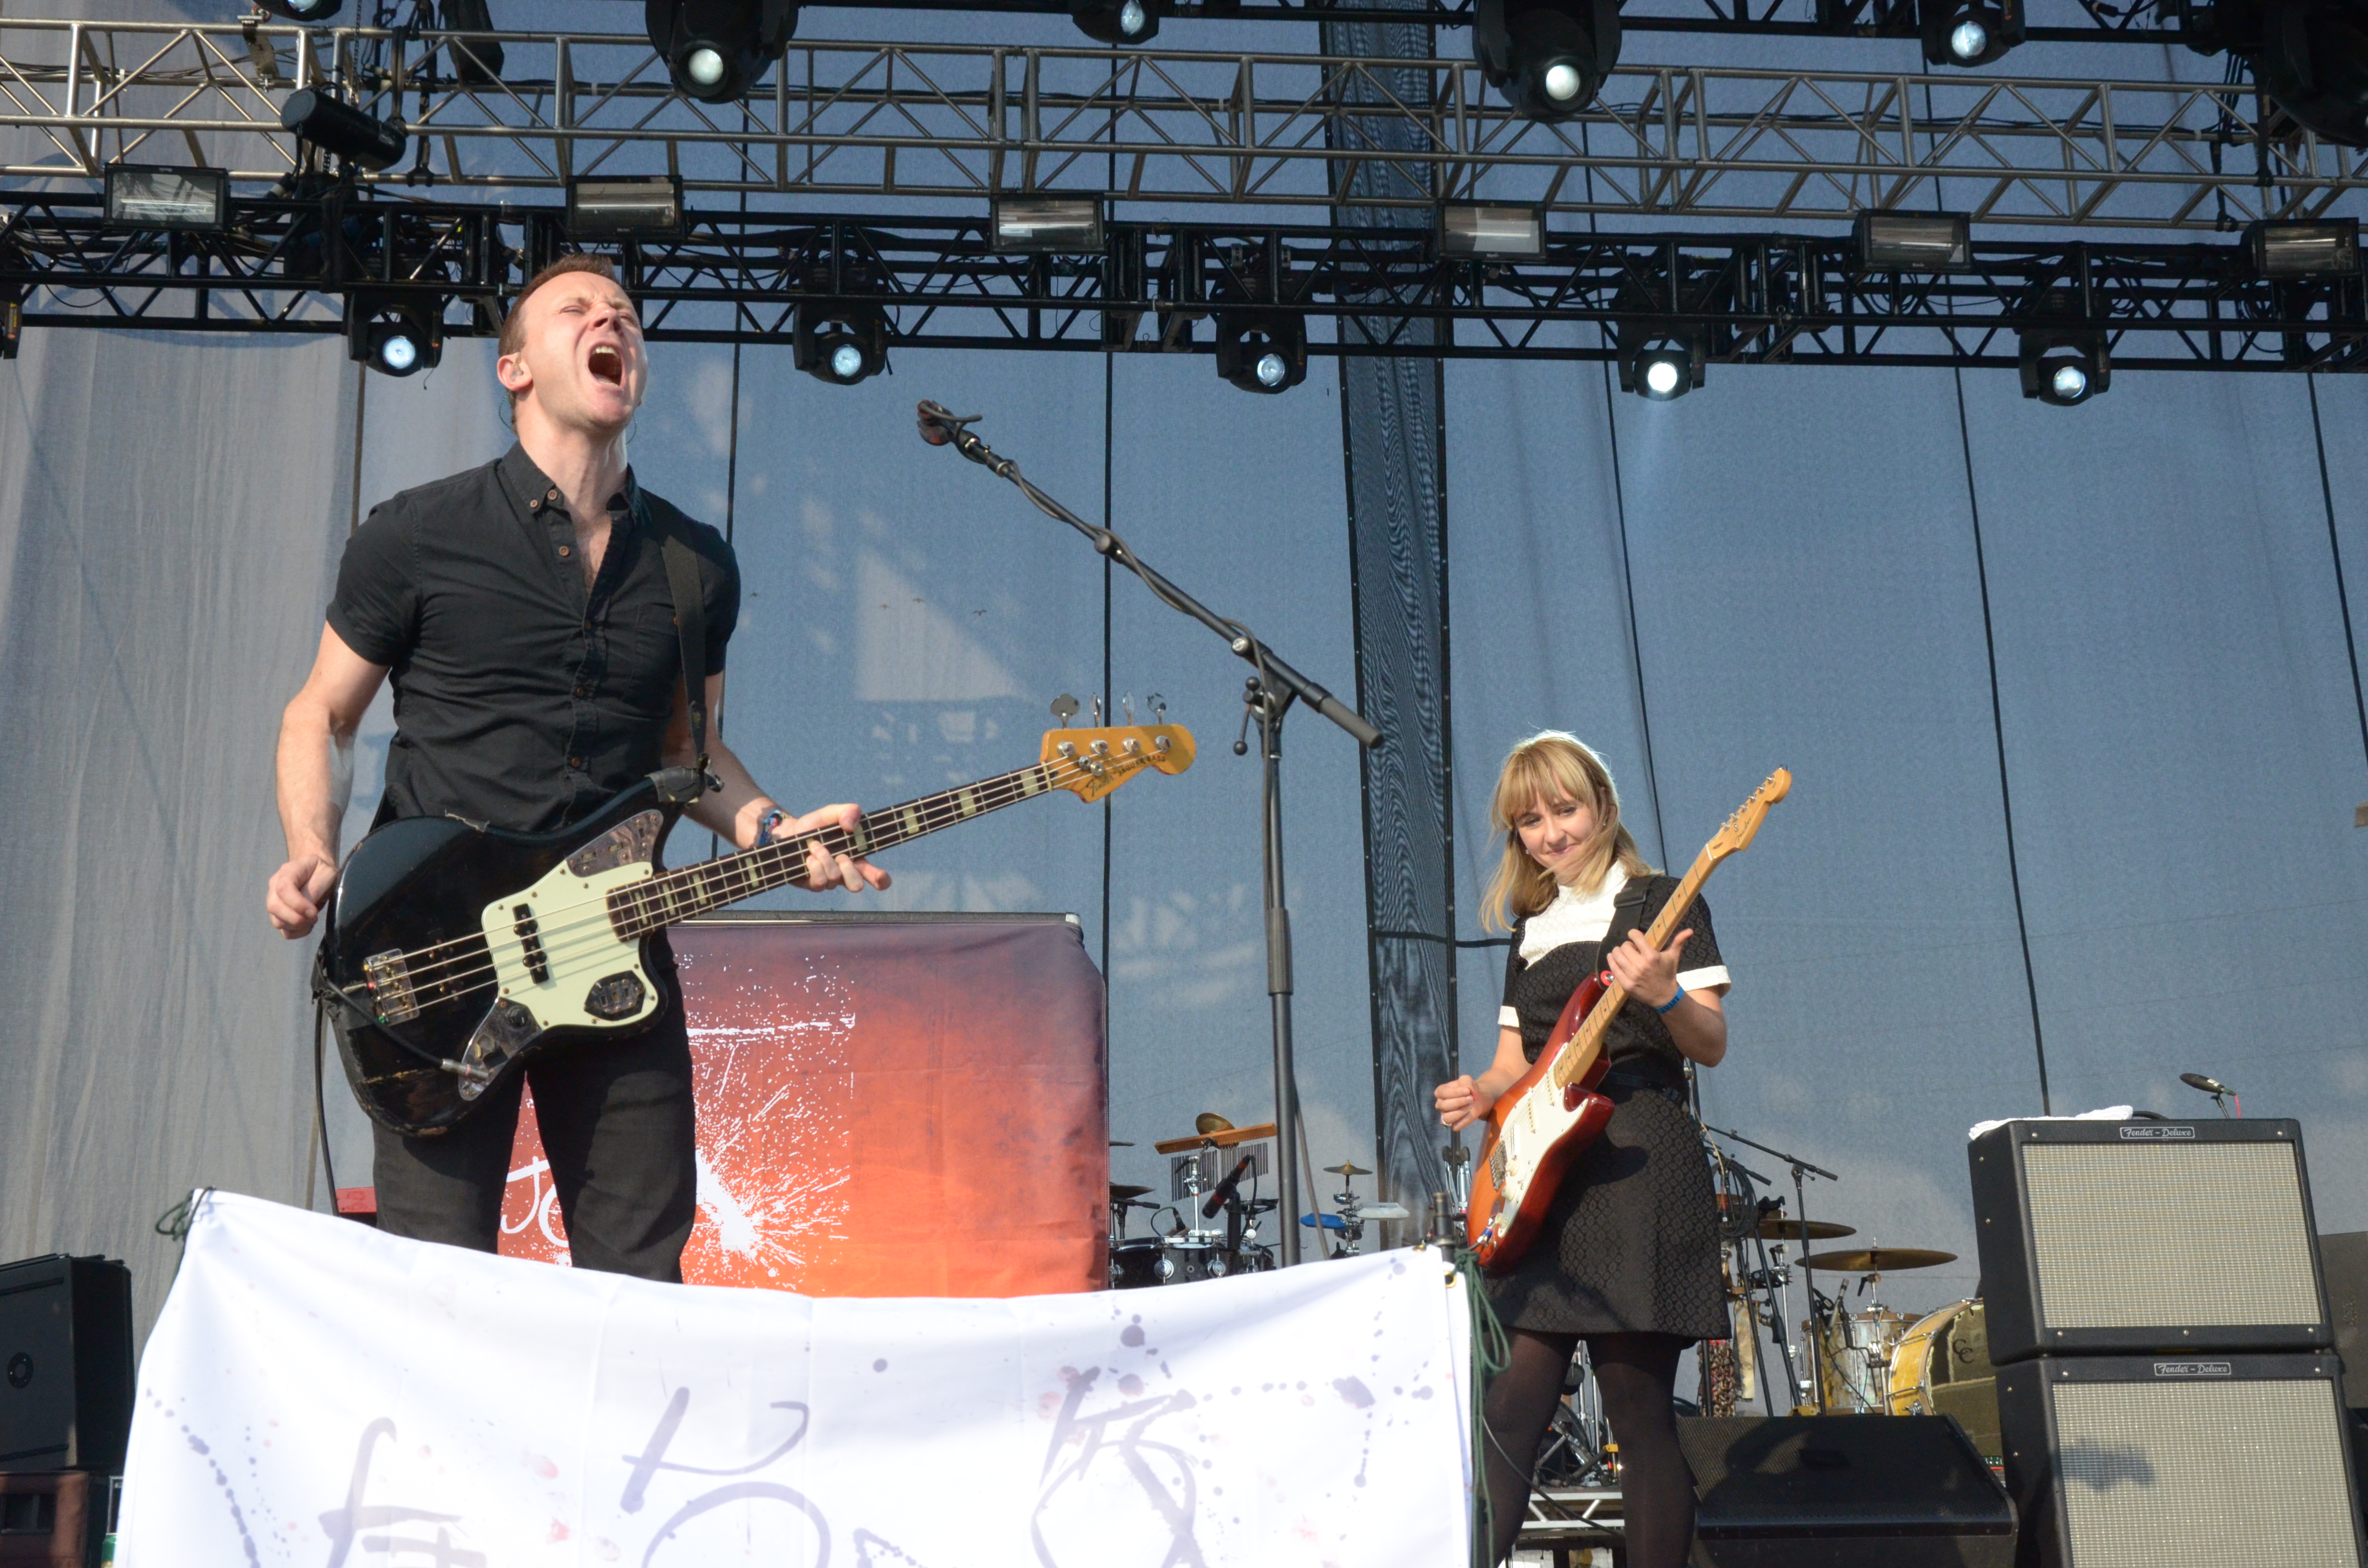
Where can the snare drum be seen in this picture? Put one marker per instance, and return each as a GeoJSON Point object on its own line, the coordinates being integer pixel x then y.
{"type": "Point", "coordinates": [1942, 1368]}
{"type": "Point", "coordinates": [1858, 1360]}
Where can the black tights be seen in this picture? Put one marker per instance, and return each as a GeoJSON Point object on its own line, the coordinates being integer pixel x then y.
{"type": "Point", "coordinates": [1637, 1375]}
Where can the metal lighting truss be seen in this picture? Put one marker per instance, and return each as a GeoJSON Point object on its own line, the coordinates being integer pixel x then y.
{"type": "Point", "coordinates": [282, 266]}
{"type": "Point", "coordinates": [1665, 145]}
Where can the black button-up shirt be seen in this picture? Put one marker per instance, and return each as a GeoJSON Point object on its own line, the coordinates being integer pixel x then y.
{"type": "Point", "coordinates": [522, 698]}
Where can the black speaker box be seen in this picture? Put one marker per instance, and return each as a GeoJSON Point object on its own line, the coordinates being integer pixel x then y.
{"type": "Point", "coordinates": [2343, 1264]}
{"type": "Point", "coordinates": [1843, 1492]}
{"type": "Point", "coordinates": [65, 1364]}
{"type": "Point", "coordinates": [2113, 1237]}
{"type": "Point", "coordinates": [2134, 1462]}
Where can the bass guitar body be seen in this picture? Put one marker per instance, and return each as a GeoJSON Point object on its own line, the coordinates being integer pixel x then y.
{"type": "Point", "coordinates": [1535, 1130]}
{"type": "Point", "coordinates": [454, 953]}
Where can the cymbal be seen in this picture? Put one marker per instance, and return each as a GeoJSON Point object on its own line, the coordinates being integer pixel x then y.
{"type": "Point", "coordinates": [1777, 1230]}
{"type": "Point", "coordinates": [1122, 1190]}
{"type": "Point", "coordinates": [1877, 1260]}
{"type": "Point", "coordinates": [1210, 1121]}
{"type": "Point", "coordinates": [1346, 1168]}
{"type": "Point", "coordinates": [1221, 1139]}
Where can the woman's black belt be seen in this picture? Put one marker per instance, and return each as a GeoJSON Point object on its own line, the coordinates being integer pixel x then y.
{"type": "Point", "coordinates": [1673, 1091]}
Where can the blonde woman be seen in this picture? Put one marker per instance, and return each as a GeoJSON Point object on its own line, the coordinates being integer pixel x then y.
{"type": "Point", "coordinates": [1628, 1256]}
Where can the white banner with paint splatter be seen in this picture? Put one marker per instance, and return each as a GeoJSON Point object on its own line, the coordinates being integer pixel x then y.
{"type": "Point", "coordinates": [318, 1393]}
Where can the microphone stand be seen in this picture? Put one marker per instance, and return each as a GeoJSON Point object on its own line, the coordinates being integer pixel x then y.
{"type": "Point", "coordinates": [1265, 698]}
{"type": "Point", "coordinates": [1801, 1170]}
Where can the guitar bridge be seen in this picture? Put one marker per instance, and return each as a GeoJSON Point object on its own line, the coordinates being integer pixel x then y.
{"type": "Point", "coordinates": [389, 978]}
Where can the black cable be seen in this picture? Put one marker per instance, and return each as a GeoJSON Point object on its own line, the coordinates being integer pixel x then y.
{"type": "Point", "coordinates": [1110, 422]}
{"type": "Point", "coordinates": [1998, 731]}
{"type": "Point", "coordinates": [2335, 548]}
{"type": "Point", "coordinates": [321, 1105]}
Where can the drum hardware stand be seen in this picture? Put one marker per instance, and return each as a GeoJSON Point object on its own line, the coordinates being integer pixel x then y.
{"type": "Point", "coordinates": [1270, 693]}
{"type": "Point", "coordinates": [1802, 1171]}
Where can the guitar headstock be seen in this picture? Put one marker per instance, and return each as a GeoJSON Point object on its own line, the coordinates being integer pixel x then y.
{"type": "Point", "coordinates": [1735, 834]}
{"type": "Point", "coordinates": [1092, 763]}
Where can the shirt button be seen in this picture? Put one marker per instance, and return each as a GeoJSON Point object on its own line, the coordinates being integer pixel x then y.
{"type": "Point", "coordinates": [551, 495]}
{"type": "Point", "coordinates": [583, 691]}
{"type": "Point", "coordinates": [567, 550]}
{"type": "Point", "coordinates": [576, 763]}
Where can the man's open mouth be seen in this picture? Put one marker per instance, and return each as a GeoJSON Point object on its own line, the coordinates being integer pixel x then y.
{"type": "Point", "coordinates": [607, 365]}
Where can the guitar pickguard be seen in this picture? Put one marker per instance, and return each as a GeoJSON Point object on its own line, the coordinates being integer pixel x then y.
{"type": "Point", "coordinates": [558, 961]}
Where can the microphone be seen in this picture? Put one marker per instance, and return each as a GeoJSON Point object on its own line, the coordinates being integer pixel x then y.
{"type": "Point", "coordinates": [937, 426]}
{"type": "Point", "coordinates": [2209, 1085]}
{"type": "Point", "coordinates": [1226, 1190]}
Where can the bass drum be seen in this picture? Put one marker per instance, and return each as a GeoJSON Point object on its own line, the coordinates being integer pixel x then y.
{"type": "Point", "coordinates": [1942, 1368]}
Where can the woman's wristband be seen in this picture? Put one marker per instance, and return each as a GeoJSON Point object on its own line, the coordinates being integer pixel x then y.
{"type": "Point", "coordinates": [1672, 1001]}
{"type": "Point", "coordinates": [766, 823]}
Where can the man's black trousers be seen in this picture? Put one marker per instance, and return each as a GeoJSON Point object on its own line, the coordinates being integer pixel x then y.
{"type": "Point", "coordinates": [617, 1126]}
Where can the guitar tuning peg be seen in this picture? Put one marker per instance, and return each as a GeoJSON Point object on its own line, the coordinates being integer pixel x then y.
{"type": "Point", "coordinates": [1127, 701]}
{"type": "Point", "coordinates": [1098, 712]}
{"type": "Point", "coordinates": [1158, 706]}
{"type": "Point", "coordinates": [1064, 707]}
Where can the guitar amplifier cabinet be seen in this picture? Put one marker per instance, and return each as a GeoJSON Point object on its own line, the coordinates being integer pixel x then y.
{"type": "Point", "coordinates": [2135, 1461]}
{"type": "Point", "coordinates": [54, 1519]}
{"type": "Point", "coordinates": [2104, 1237]}
{"type": "Point", "coordinates": [65, 1364]}
{"type": "Point", "coordinates": [1843, 1492]}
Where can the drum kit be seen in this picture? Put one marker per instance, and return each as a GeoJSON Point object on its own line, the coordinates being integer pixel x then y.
{"type": "Point", "coordinates": [1209, 1227]}
{"type": "Point", "coordinates": [1873, 1360]}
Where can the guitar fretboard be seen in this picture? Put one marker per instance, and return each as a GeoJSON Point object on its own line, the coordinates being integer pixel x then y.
{"type": "Point", "coordinates": [672, 897]}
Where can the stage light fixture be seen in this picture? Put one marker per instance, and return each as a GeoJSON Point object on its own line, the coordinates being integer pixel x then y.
{"type": "Point", "coordinates": [334, 126]}
{"type": "Point", "coordinates": [302, 10]}
{"type": "Point", "coordinates": [2313, 62]}
{"type": "Point", "coordinates": [608, 210]}
{"type": "Point", "coordinates": [1468, 230]}
{"type": "Point", "coordinates": [143, 197]}
{"type": "Point", "coordinates": [1658, 364]}
{"type": "Point", "coordinates": [1547, 57]}
{"type": "Point", "coordinates": [2305, 249]}
{"type": "Point", "coordinates": [477, 62]}
{"type": "Point", "coordinates": [715, 50]}
{"type": "Point", "coordinates": [2062, 364]}
{"type": "Point", "coordinates": [1969, 32]}
{"type": "Point", "coordinates": [1262, 351]}
{"type": "Point", "coordinates": [12, 327]}
{"type": "Point", "coordinates": [1913, 241]}
{"type": "Point", "coordinates": [841, 344]}
{"type": "Point", "coordinates": [394, 335]}
{"type": "Point", "coordinates": [1118, 21]}
{"type": "Point", "coordinates": [1048, 225]}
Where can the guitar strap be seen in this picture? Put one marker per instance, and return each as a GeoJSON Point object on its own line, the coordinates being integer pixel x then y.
{"type": "Point", "coordinates": [690, 621]}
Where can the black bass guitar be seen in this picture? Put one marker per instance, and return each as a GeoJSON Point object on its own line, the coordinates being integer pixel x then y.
{"type": "Point", "coordinates": [453, 953]}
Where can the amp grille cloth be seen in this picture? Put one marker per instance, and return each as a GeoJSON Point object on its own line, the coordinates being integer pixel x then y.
{"type": "Point", "coordinates": [2227, 1472]}
{"type": "Point", "coordinates": [2169, 1235]}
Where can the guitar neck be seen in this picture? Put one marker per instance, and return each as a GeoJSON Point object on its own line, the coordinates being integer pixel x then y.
{"type": "Point", "coordinates": [1583, 1047]}
{"type": "Point", "coordinates": [672, 897]}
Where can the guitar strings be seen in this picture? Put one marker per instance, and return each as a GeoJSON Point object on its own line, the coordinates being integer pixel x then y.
{"type": "Point", "coordinates": [570, 939]}
{"type": "Point", "coordinates": [657, 895]}
{"type": "Point", "coordinates": [773, 857]}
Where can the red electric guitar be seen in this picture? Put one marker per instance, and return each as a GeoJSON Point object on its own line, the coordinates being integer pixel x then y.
{"type": "Point", "coordinates": [1541, 1123]}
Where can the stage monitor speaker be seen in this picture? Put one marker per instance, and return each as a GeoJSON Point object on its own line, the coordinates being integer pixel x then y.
{"type": "Point", "coordinates": [1844, 1491]}
{"type": "Point", "coordinates": [54, 1518]}
{"type": "Point", "coordinates": [2343, 1263]}
{"type": "Point", "coordinates": [2134, 1462]}
{"type": "Point", "coordinates": [2105, 1237]}
{"type": "Point", "coordinates": [65, 1364]}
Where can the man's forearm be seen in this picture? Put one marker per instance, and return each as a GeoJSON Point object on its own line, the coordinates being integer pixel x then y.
{"type": "Point", "coordinates": [315, 778]}
{"type": "Point", "coordinates": [734, 810]}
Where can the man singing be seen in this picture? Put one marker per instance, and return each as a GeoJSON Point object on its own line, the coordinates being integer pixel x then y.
{"type": "Point", "coordinates": [524, 611]}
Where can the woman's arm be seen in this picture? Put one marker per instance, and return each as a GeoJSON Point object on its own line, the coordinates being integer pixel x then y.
{"type": "Point", "coordinates": [1467, 1099]}
{"type": "Point", "coordinates": [1698, 1024]}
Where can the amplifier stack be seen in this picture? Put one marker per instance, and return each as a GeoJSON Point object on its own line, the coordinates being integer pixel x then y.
{"type": "Point", "coordinates": [2168, 1388]}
